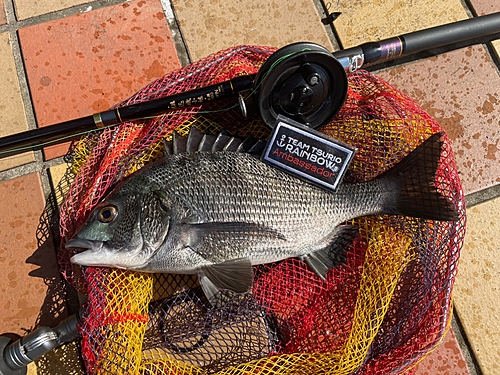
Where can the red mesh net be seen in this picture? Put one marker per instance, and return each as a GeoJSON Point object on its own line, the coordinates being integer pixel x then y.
{"type": "Point", "coordinates": [381, 312]}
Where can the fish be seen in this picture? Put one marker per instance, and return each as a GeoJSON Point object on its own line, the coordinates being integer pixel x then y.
{"type": "Point", "coordinates": [212, 208]}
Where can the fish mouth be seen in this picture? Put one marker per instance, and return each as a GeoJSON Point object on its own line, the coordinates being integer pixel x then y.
{"type": "Point", "coordinates": [97, 255]}
{"type": "Point", "coordinates": [85, 244]}
{"type": "Point", "coordinates": [93, 256]}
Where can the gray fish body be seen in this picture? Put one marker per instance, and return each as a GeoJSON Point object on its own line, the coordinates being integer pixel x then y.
{"type": "Point", "coordinates": [278, 216]}
{"type": "Point", "coordinates": [215, 214]}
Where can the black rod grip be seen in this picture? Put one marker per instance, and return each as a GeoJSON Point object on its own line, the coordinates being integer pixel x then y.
{"type": "Point", "coordinates": [451, 33]}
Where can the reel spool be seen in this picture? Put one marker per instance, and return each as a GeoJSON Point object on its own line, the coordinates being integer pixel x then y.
{"type": "Point", "coordinates": [302, 81]}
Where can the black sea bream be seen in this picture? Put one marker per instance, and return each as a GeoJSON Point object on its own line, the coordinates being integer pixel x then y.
{"type": "Point", "coordinates": [215, 213]}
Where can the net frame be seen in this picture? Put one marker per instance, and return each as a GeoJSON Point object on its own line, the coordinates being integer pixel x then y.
{"type": "Point", "coordinates": [394, 291]}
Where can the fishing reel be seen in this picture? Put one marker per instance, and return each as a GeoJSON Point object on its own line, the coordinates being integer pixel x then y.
{"type": "Point", "coordinates": [302, 81]}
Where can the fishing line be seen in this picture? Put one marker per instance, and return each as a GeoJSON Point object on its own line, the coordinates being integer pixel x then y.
{"type": "Point", "coordinates": [29, 148]}
{"type": "Point", "coordinates": [257, 87]}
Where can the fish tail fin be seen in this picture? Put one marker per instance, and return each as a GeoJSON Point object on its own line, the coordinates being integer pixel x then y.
{"type": "Point", "coordinates": [415, 177]}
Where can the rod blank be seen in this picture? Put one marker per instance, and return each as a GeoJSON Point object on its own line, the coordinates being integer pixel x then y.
{"type": "Point", "coordinates": [411, 43]}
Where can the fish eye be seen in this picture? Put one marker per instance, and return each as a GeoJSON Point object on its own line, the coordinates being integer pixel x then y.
{"type": "Point", "coordinates": [107, 214]}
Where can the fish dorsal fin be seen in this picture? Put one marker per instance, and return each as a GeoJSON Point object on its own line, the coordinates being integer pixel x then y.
{"type": "Point", "coordinates": [198, 141]}
{"type": "Point", "coordinates": [193, 140]}
{"type": "Point", "coordinates": [232, 144]}
{"type": "Point", "coordinates": [207, 142]}
{"type": "Point", "coordinates": [246, 144]}
{"type": "Point", "coordinates": [324, 260]}
{"type": "Point", "coordinates": [258, 147]}
{"type": "Point", "coordinates": [222, 139]}
{"type": "Point", "coordinates": [167, 148]}
{"type": "Point", "coordinates": [179, 143]}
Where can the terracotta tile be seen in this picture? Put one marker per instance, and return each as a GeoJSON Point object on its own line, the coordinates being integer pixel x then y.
{"type": "Point", "coordinates": [477, 287]}
{"type": "Point", "coordinates": [460, 90]}
{"type": "Point", "coordinates": [28, 8]}
{"type": "Point", "coordinates": [31, 285]}
{"type": "Point", "coordinates": [86, 63]}
{"type": "Point", "coordinates": [3, 20]}
{"type": "Point", "coordinates": [447, 358]}
{"type": "Point", "coordinates": [211, 26]}
{"type": "Point", "coordinates": [12, 115]}
{"type": "Point", "coordinates": [366, 21]}
{"type": "Point", "coordinates": [483, 7]}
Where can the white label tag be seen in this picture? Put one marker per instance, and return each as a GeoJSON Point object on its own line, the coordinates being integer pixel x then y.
{"type": "Point", "coordinates": [307, 153]}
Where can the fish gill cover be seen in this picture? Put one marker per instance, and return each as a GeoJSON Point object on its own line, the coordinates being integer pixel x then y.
{"type": "Point", "coordinates": [381, 312]}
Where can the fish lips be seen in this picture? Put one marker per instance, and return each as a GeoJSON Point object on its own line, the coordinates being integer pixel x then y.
{"type": "Point", "coordinates": [91, 256]}
{"type": "Point", "coordinates": [97, 255]}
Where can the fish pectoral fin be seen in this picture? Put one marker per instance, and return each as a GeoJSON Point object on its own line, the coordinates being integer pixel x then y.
{"type": "Point", "coordinates": [235, 275]}
{"type": "Point", "coordinates": [325, 259]}
{"type": "Point", "coordinates": [203, 238]}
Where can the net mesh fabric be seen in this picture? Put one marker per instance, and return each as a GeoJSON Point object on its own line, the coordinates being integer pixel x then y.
{"type": "Point", "coordinates": [379, 313]}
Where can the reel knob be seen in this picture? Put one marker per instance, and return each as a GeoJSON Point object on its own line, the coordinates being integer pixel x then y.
{"type": "Point", "coordinates": [302, 81]}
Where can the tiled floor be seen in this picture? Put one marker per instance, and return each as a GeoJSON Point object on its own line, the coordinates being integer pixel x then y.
{"type": "Point", "coordinates": [85, 63]}
{"type": "Point", "coordinates": [62, 59]}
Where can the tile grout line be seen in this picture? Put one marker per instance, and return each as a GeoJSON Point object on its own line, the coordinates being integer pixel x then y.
{"type": "Point", "coordinates": [13, 25]}
{"type": "Point", "coordinates": [28, 168]}
{"type": "Point", "coordinates": [463, 341]}
{"type": "Point", "coordinates": [330, 28]}
{"type": "Point", "coordinates": [58, 14]}
{"type": "Point", "coordinates": [482, 196]}
{"type": "Point", "coordinates": [490, 49]}
{"type": "Point", "coordinates": [471, 200]}
{"type": "Point", "coordinates": [29, 112]}
{"type": "Point", "coordinates": [20, 69]}
{"type": "Point", "coordinates": [179, 41]}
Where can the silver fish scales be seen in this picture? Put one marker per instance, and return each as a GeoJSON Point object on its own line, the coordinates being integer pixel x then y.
{"type": "Point", "coordinates": [215, 213]}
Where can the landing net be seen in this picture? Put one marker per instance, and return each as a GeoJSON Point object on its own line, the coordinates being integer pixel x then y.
{"type": "Point", "coordinates": [380, 313]}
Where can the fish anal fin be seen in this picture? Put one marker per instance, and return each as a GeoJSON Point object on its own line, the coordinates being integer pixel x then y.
{"type": "Point", "coordinates": [235, 275]}
{"type": "Point", "coordinates": [322, 261]}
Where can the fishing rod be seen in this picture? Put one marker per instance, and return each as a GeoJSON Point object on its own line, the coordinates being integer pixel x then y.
{"type": "Point", "coordinates": [302, 81]}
